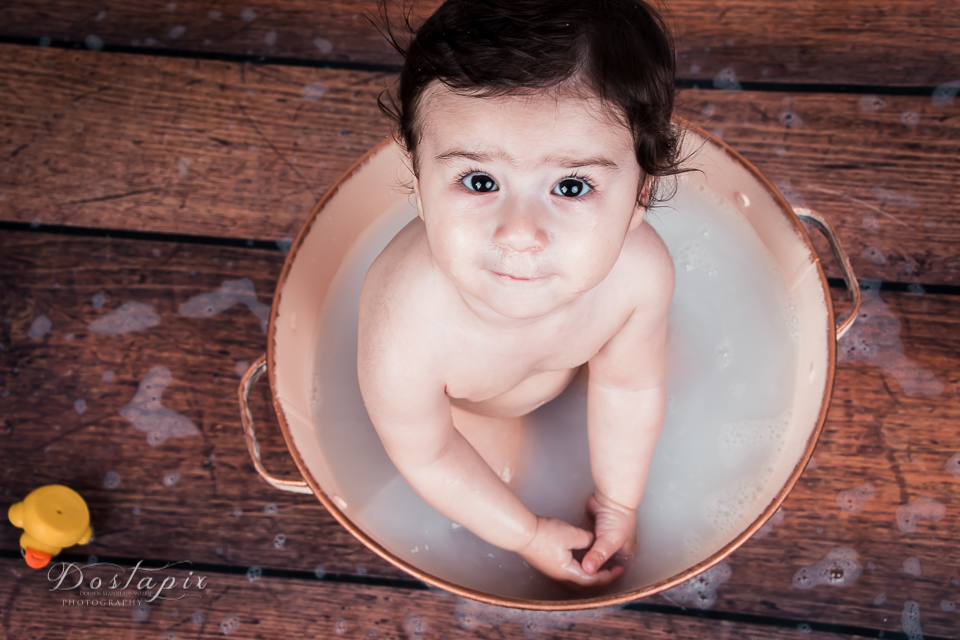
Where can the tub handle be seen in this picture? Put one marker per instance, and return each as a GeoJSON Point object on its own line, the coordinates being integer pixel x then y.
{"type": "Point", "coordinates": [246, 418]}
{"type": "Point", "coordinates": [818, 221]}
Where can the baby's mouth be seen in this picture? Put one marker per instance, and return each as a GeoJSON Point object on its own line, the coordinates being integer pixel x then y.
{"type": "Point", "coordinates": [516, 278]}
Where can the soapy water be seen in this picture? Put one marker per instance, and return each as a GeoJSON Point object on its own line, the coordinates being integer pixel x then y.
{"type": "Point", "coordinates": [700, 591]}
{"type": "Point", "coordinates": [952, 466]}
{"type": "Point", "coordinates": [472, 615]}
{"type": "Point", "coordinates": [229, 624]}
{"type": "Point", "coordinates": [910, 620]}
{"type": "Point", "coordinates": [838, 568]}
{"type": "Point", "coordinates": [40, 326]}
{"type": "Point", "coordinates": [875, 339]}
{"type": "Point", "coordinates": [911, 567]}
{"type": "Point", "coordinates": [731, 376]}
{"type": "Point", "coordinates": [147, 413]}
{"type": "Point", "coordinates": [909, 515]}
{"type": "Point", "coordinates": [230, 293]}
{"type": "Point", "coordinates": [854, 500]}
{"type": "Point", "coordinates": [128, 317]}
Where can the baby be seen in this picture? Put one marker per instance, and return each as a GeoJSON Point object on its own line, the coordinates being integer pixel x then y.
{"type": "Point", "coordinates": [536, 130]}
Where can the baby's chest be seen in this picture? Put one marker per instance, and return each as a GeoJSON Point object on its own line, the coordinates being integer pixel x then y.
{"type": "Point", "coordinates": [478, 369]}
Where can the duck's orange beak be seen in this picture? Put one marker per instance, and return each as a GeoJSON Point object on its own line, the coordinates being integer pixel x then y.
{"type": "Point", "coordinates": [36, 559]}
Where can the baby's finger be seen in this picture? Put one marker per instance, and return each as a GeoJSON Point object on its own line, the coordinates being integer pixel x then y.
{"type": "Point", "coordinates": [604, 547]}
{"type": "Point", "coordinates": [577, 538]}
{"type": "Point", "coordinates": [580, 579]}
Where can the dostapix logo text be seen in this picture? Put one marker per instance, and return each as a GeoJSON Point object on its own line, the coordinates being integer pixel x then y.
{"type": "Point", "coordinates": [147, 582]}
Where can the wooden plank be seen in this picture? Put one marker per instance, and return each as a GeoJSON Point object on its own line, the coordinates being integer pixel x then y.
{"type": "Point", "coordinates": [813, 41]}
{"type": "Point", "coordinates": [892, 423]}
{"type": "Point", "coordinates": [238, 150]}
{"type": "Point", "coordinates": [283, 607]}
{"type": "Point", "coordinates": [193, 497]}
{"type": "Point", "coordinates": [133, 142]}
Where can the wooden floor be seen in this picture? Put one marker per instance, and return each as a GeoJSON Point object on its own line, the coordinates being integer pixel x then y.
{"type": "Point", "coordinates": [154, 151]}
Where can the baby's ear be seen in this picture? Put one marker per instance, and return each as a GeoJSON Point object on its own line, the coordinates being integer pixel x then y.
{"type": "Point", "coordinates": [416, 193]}
{"type": "Point", "coordinates": [640, 209]}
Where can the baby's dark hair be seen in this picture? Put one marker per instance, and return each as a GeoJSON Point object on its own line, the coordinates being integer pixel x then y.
{"type": "Point", "coordinates": [617, 50]}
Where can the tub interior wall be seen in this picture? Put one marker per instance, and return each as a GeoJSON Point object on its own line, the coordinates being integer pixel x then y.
{"type": "Point", "coordinates": [337, 440]}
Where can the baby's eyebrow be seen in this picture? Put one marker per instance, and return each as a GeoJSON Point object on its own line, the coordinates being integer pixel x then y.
{"type": "Point", "coordinates": [566, 162]}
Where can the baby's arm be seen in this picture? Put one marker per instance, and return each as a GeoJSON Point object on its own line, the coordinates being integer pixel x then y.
{"type": "Point", "coordinates": [626, 400]}
{"type": "Point", "coordinates": [411, 412]}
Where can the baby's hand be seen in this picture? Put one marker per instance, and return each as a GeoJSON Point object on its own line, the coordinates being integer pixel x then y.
{"type": "Point", "coordinates": [616, 531]}
{"type": "Point", "coordinates": [551, 552]}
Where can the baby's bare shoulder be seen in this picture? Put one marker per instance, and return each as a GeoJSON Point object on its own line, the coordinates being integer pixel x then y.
{"type": "Point", "coordinates": [400, 301]}
{"type": "Point", "coordinates": [645, 268]}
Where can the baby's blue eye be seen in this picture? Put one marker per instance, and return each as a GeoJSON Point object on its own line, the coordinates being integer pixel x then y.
{"type": "Point", "coordinates": [571, 188]}
{"type": "Point", "coordinates": [479, 182]}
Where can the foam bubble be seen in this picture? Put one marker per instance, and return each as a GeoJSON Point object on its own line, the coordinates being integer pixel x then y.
{"type": "Point", "coordinates": [229, 624]}
{"type": "Point", "coordinates": [701, 591]}
{"type": "Point", "coordinates": [854, 500]}
{"type": "Point", "coordinates": [693, 256]}
{"type": "Point", "coordinates": [171, 479]}
{"type": "Point", "coordinates": [279, 541]}
{"type": "Point", "coordinates": [910, 118]}
{"type": "Point", "coordinates": [130, 316]}
{"type": "Point", "coordinates": [414, 626]}
{"type": "Point", "coordinates": [944, 94]}
{"type": "Point", "coordinates": [911, 566]}
{"type": "Point", "coordinates": [923, 508]}
{"type": "Point", "coordinates": [747, 437]}
{"type": "Point", "coordinates": [147, 414]}
{"type": "Point", "coordinates": [727, 79]}
{"type": "Point", "coordinates": [874, 255]}
{"type": "Point", "coordinates": [230, 293]}
{"type": "Point", "coordinates": [141, 612]}
{"type": "Point", "coordinates": [111, 480]}
{"type": "Point", "coordinates": [40, 326]}
{"type": "Point", "coordinates": [254, 573]}
{"type": "Point", "coordinates": [471, 615]}
{"type": "Point", "coordinates": [948, 606]}
{"type": "Point", "coordinates": [875, 339]}
{"type": "Point", "coordinates": [790, 119]}
{"type": "Point", "coordinates": [839, 568]}
{"type": "Point", "coordinates": [910, 620]}
{"type": "Point", "coordinates": [313, 91]}
{"type": "Point", "coordinates": [953, 466]}
{"type": "Point", "coordinates": [871, 103]}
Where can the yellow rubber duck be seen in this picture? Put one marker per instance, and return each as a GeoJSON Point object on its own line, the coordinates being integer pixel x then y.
{"type": "Point", "coordinates": [52, 517]}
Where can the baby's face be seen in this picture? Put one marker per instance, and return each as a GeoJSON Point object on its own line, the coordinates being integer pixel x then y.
{"type": "Point", "coordinates": [526, 200]}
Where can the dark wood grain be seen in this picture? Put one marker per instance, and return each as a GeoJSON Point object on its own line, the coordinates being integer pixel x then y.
{"type": "Point", "coordinates": [150, 143]}
{"type": "Point", "coordinates": [272, 607]}
{"type": "Point", "coordinates": [133, 142]}
{"type": "Point", "coordinates": [813, 41]}
{"type": "Point", "coordinates": [892, 422]}
{"type": "Point", "coordinates": [218, 510]}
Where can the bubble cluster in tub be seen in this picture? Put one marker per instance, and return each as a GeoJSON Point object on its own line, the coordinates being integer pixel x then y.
{"type": "Point", "coordinates": [731, 376]}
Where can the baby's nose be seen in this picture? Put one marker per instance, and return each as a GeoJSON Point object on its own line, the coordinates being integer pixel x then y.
{"type": "Point", "coordinates": [519, 230]}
